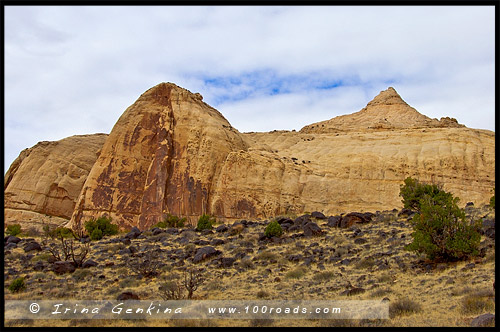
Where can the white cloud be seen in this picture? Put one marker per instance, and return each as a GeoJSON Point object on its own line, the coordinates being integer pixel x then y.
{"type": "Point", "coordinates": [74, 70]}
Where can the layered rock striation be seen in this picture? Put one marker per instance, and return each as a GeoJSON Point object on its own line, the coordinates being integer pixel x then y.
{"type": "Point", "coordinates": [172, 153]}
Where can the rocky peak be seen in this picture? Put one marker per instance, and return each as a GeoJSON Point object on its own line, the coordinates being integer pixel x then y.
{"type": "Point", "coordinates": [386, 111]}
{"type": "Point", "coordinates": [387, 97]}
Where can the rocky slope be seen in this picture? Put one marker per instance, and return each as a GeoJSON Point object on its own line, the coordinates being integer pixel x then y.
{"type": "Point", "coordinates": [172, 153]}
{"type": "Point", "coordinates": [43, 183]}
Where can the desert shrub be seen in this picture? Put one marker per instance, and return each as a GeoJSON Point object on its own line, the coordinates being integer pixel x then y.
{"type": "Point", "coordinates": [296, 273]}
{"type": "Point", "coordinates": [273, 229]}
{"type": "Point", "coordinates": [147, 264]}
{"type": "Point", "coordinates": [384, 278]}
{"type": "Point", "coordinates": [365, 263]}
{"type": "Point", "coordinates": [413, 191]}
{"type": "Point", "coordinates": [205, 222]}
{"type": "Point", "coordinates": [246, 263]}
{"type": "Point", "coordinates": [476, 304]}
{"type": "Point", "coordinates": [171, 290]}
{"type": "Point", "coordinates": [68, 250]}
{"type": "Point", "coordinates": [101, 227]}
{"type": "Point", "coordinates": [64, 232]}
{"type": "Point", "coordinates": [267, 256]}
{"type": "Point", "coordinates": [17, 285]}
{"type": "Point", "coordinates": [236, 229]}
{"type": "Point", "coordinates": [41, 257]}
{"type": "Point", "coordinates": [379, 292]}
{"type": "Point", "coordinates": [96, 234]}
{"type": "Point", "coordinates": [403, 306]}
{"type": "Point", "coordinates": [324, 276]}
{"type": "Point", "coordinates": [81, 274]}
{"type": "Point", "coordinates": [13, 230]}
{"type": "Point", "coordinates": [173, 286]}
{"type": "Point", "coordinates": [171, 221]}
{"type": "Point", "coordinates": [262, 294]}
{"type": "Point", "coordinates": [58, 232]}
{"type": "Point", "coordinates": [440, 228]}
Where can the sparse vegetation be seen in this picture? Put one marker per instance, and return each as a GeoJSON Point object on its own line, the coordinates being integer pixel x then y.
{"type": "Point", "coordinates": [205, 222]}
{"type": "Point", "coordinates": [173, 287]}
{"type": "Point", "coordinates": [440, 229]}
{"type": "Point", "coordinates": [262, 294]}
{"type": "Point", "coordinates": [267, 256]}
{"type": "Point", "coordinates": [68, 250]}
{"type": "Point", "coordinates": [17, 285]}
{"type": "Point", "coordinates": [296, 273]}
{"type": "Point", "coordinates": [171, 221]}
{"type": "Point", "coordinates": [58, 232]}
{"type": "Point", "coordinates": [251, 267]}
{"type": "Point", "coordinates": [101, 227]}
{"type": "Point", "coordinates": [273, 229]}
{"type": "Point", "coordinates": [146, 264]}
{"type": "Point", "coordinates": [476, 304]}
{"type": "Point", "coordinates": [403, 306]}
{"type": "Point", "coordinates": [14, 229]}
{"type": "Point", "coordinates": [324, 276]}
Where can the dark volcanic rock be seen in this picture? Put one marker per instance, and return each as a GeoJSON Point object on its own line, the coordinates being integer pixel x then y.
{"type": "Point", "coordinates": [222, 228]}
{"type": "Point", "coordinates": [89, 263]}
{"type": "Point", "coordinates": [127, 296]}
{"type": "Point", "coordinates": [61, 267]}
{"type": "Point", "coordinates": [312, 229]}
{"type": "Point", "coordinates": [204, 253]}
{"type": "Point", "coordinates": [334, 221]}
{"type": "Point", "coordinates": [133, 234]}
{"type": "Point", "coordinates": [483, 320]}
{"type": "Point", "coordinates": [353, 291]}
{"type": "Point", "coordinates": [12, 239]}
{"type": "Point", "coordinates": [32, 246]}
{"type": "Point", "coordinates": [355, 218]}
{"type": "Point", "coordinates": [227, 262]}
{"type": "Point", "coordinates": [318, 215]}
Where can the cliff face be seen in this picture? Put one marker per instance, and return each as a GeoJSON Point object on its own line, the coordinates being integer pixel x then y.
{"type": "Point", "coordinates": [172, 153]}
{"type": "Point", "coordinates": [163, 155]}
{"type": "Point", "coordinates": [44, 182]}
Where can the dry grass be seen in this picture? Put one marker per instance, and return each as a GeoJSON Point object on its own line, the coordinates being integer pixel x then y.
{"type": "Point", "coordinates": [418, 297]}
{"type": "Point", "coordinates": [404, 306]}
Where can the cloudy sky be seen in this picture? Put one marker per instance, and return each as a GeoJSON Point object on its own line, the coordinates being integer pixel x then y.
{"type": "Point", "coordinates": [74, 70]}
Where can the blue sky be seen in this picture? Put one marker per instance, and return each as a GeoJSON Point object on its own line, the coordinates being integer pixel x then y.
{"type": "Point", "coordinates": [74, 70]}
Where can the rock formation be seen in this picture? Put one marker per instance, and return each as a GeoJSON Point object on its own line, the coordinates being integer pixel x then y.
{"type": "Point", "coordinates": [43, 183]}
{"type": "Point", "coordinates": [172, 153]}
{"type": "Point", "coordinates": [164, 154]}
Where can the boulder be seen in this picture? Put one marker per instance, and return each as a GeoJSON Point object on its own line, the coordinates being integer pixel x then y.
{"type": "Point", "coordinates": [334, 221]}
{"type": "Point", "coordinates": [133, 234]}
{"type": "Point", "coordinates": [125, 296]}
{"type": "Point", "coordinates": [222, 228]}
{"type": "Point", "coordinates": [30, 246]}
{"type": "Point", "coordinates": [311, 229]}
{"type": "Point", "coordinates": [89, 263]}
{"type": "Point", "coordinates": [483, 320]}
{"type": "Point", "coordinates": [353, 218]}
{"type": "Point", "coordinates": [227, 262]}
{"type": "Point", "coordinates": [12, 239]}
{"type": "Point", "coordinates": [318, 215]}
{"type": "Point", "coordinates": [61, 267]}
{"type": "Point", "coordinates": [205, 253]}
